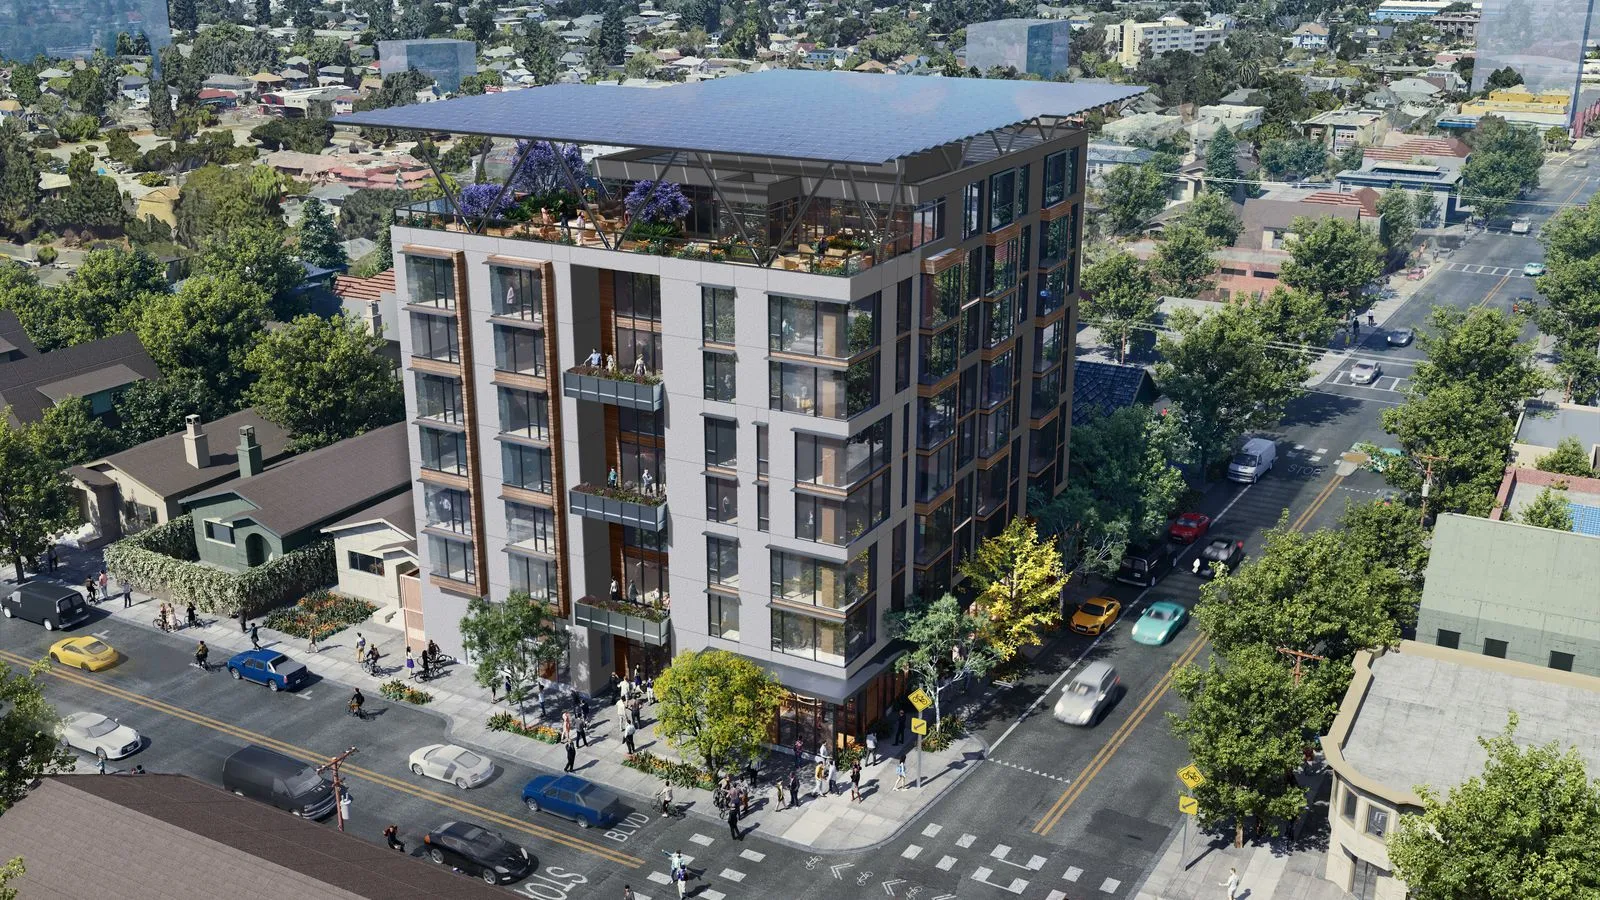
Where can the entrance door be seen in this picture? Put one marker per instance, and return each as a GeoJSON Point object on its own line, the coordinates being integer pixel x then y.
{"type": "Point", "coordinates": [1364, 881]}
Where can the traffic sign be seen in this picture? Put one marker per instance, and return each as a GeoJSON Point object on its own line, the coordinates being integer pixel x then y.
{"type": "Point", "coordinates": [1188, 806]}
{"type": "Point", "coordinates": [919, 725]}
{"type": "Point", "coordinates": [920, 699]}
{"type": "Point", "coordinates": [1191, 777]}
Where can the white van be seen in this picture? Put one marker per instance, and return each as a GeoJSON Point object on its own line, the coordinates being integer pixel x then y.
{"type": "Point", "coordinates": [1255, 459]}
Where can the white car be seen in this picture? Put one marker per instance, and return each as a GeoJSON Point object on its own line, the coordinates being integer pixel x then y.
{"type": "Point", "coordinates": [462, 767]}
{"type": "Point", "coordinates": [1521, 226]}
{"type": "Point", "coordinates": [1365, 372]}
{"type": "Point", "coordinates": [99, 735]}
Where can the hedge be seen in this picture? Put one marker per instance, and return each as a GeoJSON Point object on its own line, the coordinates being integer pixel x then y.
{"type": "Point", "coordinates": [164, 559]}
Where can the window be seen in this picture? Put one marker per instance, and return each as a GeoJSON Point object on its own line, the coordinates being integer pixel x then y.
{"type": "Point", "coordinates": [828, 393]}
{"type": "Point", "coordinates": [639, 539]}
{"type": "Point", "coordinates": [434, 337]}
{"type": "Point", "coordinates": [811, 582]}
{"type": "Point", "coordinates": [439, 398]}
{"type": "Point", "coordinates": [517, 293]}
{"type": "Point", "coordinates": [940, 354]}
{"type": "Point", "coordinates": [526, 467]}
{"type": "Point", "coordinates": [1348, 810]}
{"type": "Point", "coordinates": [935, 472]}
{"type": "Point", "coordinates": [1022, 191]}
{"type": "Point", "coordinates": [1449, 639]}
{"type": "Point", "coordinates": [722, 562]}
{"type": "Point", "coordinates": [1492, 647]}
{"type": "Point", "coordinates": [902, 305]}
{"type": "Point", "coordinates": [1052, 291]}
{"type": "Point", "coordinates": [796, 634]}
{"type": "Point", "coordinates": [841, 463]}
{"type": "Point", "coordinates": [864, 324]}
{"type": "Point", "coordinates": [994, 430]}
{"type": "Point", "coordinates": [638, 457]}
{"type": "Point", "coordinates": [638, 421]}
{"type": "Point", "coordinates": [1000, 320]}
{"type": "Point", "coordinates": [216, 531]}
{"type": "Point", "coordinates": [971, 209]}
{"type": "Point", "coordinates": [861, 386]}
{"type": "Point", "coordinates": [1002, 199]}
{"type": "Point", "coordinates": [1000, 268]}
{"type": "Point", "coordinates": [719, 376]}
{"type": "Point", "coordinates": [936, 418]}
{"type": "Point", "coordinates": [716, 314]}
{"type": "Point", "coordinates": [933, 535]}
{"type": "Point", "coordinates": [723, 617]}
{"type": "Point", "coordinates": [943, 295]}
{"type": "Point", "coordinates": [722, 501]}
{"type": "Point", "coordinates": [451, 559]}
{"type": "Point", "coordinates": [1046, 393]}
{"type": "Point", "coordinates": [1377, 821]}
{"type": "Point", "coordinates": [446, 508]}
{"type": "Point", "coordinates": [763, 520]}
{"type": "Point", "coordinates": [1055, 178]}
{"type": "Point", "coordinates": [361, 562]}
{"type": "Point", "coordinates": [721, 443]}
{"type": "Point", "coordinates": [1056, 238]}
{"type": "Point", "coordinates": [818, 328]}
{"type": "Point", "coordinates": [519, 350]}
{"type": "Point", "coordinates": [927, 222]}
{"type": "Point", "coordinates": [1562, 661]}
{"type": "Point", "coordinates": [634, 344]}
{"type": "Point", "coordinates": [996, 379]}
{"type": "Point", "coordinates": [637, 296]}
{"type": "Point", "coordinates": [902, 364]}
{"type": "Point", "coordinates": [443, 451]}
{"type": "Point", "coordinates": [530, 527]}
{"type": "Point", "coordinates": [761, 450]}
{"type": "Point", "coordinates": [431, 282]}
{"type": "Point", "coordinates": [536, 577]}
{"type": "Point", "coordinates": [524, 413]}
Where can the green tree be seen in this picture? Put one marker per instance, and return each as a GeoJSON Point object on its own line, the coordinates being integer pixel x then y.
{"type": "Point", "coordinates": [91, 202]}
{"type": "Point", "coordinates": [1017, 577]}
{"type": "Point", "coordinates": [1292, 159]}
{"type": "Point", "coordinates": [1549, 509]}
{"type": "Point", "coordinates": [1481, 348]}
{"type": "Point", "coordinates": [1505, 161]}
{"type": "Point", "coordinates": [216, 200]}
{"type": "Point", "coordinates": [302, 13]}
{"type": "Point", "coordinates": [938, 633]}
{"type": "Point", "coordinates": [263, 10]}
{"type": "Point", "coordinates": [1528, 828]}
{"type": "Point", "coordinates": [25, 83]}
{"type": "Point", "coordinates": [102, 298]}
{"type": "Point", "coordinates": [1424, 208]}
{"type": "Point", "coordinates": [204, 330]}
{"type": "Point", "coordinates": [1119, 296]}
{"type": "Point", "coordinates": [36, 503]}
{"type": "Point", "coordinates": [1131, 195]}
{"type": "Point", "coordinates": [613, 41]}
{"type": "Point", "coordinates": [479, 20]}
{"type": "Point", "coordinates": [1392, 536]}
{"type": "Point", "coordinates": [514, 641]}
{"type": "Point", "coordinates": [473, 85]}
{"type": "Point", "coordinates": [1350, 158]}
{"type": "Point", "coordinates": [1466, 435]}
{"type": "Point", "coordinates": [324, 380]}
{"type": "Point", "coordinates": [1570, 287]}
{"type": "Point", "coordinates": [1213, 215]}
{"type": "Point", "coordinates": [70, 431]}
{"type": "Point", "coordinates": [19, 180]}
{"type": "Point", "coordinates": [1183, 263]}
{"type": "Point", "coordinates": [1399, 223]}
{"type": "Point", "coordinates": [1502, 79]}
{"type": "Point", "coordinates": [10, 870]}
{"type": "Point", "coordinates": [319, 242]}
{"type": "Point", "coordinates": [1293, 316]}
{"type": "Point", "coordinates": [257, 255]}
{"type": "Point", "coordinates": [183, 15]}
{"type": "Point", "coordinates": [156, 407]}
{"type": "Point", "coordinates": [1222, 162]}
{"type": "Point", "coordinates": [716, 707]}
{"type": "Point", "coordinates": [1568, 458]}
{"type": "Point", "coordinates": [1334, 259]}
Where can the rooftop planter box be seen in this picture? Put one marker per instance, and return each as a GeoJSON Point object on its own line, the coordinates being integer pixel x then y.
{"type": "Point", "coordinates": [645, 624]}
{"type": "Point", "coordinates": [619, 506]}
{"type": "Point", "coordinates": [617, 388]}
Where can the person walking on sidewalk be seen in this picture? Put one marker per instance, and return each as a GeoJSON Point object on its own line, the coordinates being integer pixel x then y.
{"type": "Point", "coordinates": [361, 648]}
{"type": "Point", "coordinates": [411, 665]}
{"type": "Point", "coordinates": [104, 592]}
{"type": "Point", "coordinates": [1232, 884]}
{"type": "Point", "coordinates": [872, 749]}
{"type": "Point", "coordinates": [627, 892]}
{"type": "Point", "coordinates": [680, 877]}
{"type": "Point", "coordinates": [855, 781]}
{"type": "Point", "coordinates": [311, 639]}
{"type": "Point", "coordinates": [255, 635]}
{"type": "Point", "coordinates": [627, 737]}
{"type": "Point", "coordinates": [900, 728]}
{"type": "Point", "coordinates": [821, 774]}
{"type": "Point", "coordinates": [244, 622]}
{"type": "Point", "coordinates": [900, 775]}
{"type": "Point", "coordinates": [583, 733]}
{"type": "Point", "coordinates": [733, 821]}
{"type": "Point", "coordinates": [127, 594]}
{"type": "Point", "coordinates": [794, 787]}
{"type": "Point", "coordinates": [572, 755]}
{"type": "Point", "coordinates": [778, 786]}
{"type": "Point", "coordinates": [833, 773]}
{"type": "Point", "coordinates": [88, 586]}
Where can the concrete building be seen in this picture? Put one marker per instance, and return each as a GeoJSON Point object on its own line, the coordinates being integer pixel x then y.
{"type": "Point", "coordinates": [1542, 426]}
{"type": "Point", "coordinates": [1131, 41]}
{"type": "Point", "coordinates": [790, 432]}
{"type": "Point", "coordinates": [1513, 591]}
{"type": "Point", "coordinates": [1408, 10]}
{"type": "Point", "coordinates": [1412, 717]}
{"type": "Point", "coordinates": [1031, 46]}
{"type": "Point", "coordinates": [1340, 128]}
{"type": "Point", "coordinates": [1463, 26]}
{"type": "Point", "coordinates": [64, 29]}
{"type": "Point", "coordinates": [445, 60]}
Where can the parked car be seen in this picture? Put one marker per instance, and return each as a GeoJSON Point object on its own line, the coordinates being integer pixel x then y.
{"type": "Point", "coordinates": [1144, 566]}
{"type": "Point", "coordinates": [98, 735]}
{"type": "Point", "coordinates": [278, 780]}
{"type": "Point", "coordinates": [1533, 269]}
{"type": "Point", "coordinates": [1189, 527]}
{"type": "Point", "coordinates": [268, 667]}
{"type": "Point", "coordinates": [478, 851]}
{"type": "Point", "coordinates": [55, 606]}
{"type": "Point", "coordinates": [1159, 623]}
{"type": "Point", "coordinates": [571, 797]}
{"type": "Point", "coordinates": [87, 653]}
{"type": "Point", "coordinates": [1088, 695]}
{"type": "Point", "coordinates": [1365, 372]}
{"type": "Point", "coordinates": [1255, 459]}
{"type": "Point", "coordinates": [1520, 226]}
{"type": "Point", "coordinates": [457, 765]}
{"type": "Point", "coordinates": [1095, 615]}
{"type": "Point", "coordinates": [1226, 551]}
{"type": "Point", "coordinates": [1401, 337]}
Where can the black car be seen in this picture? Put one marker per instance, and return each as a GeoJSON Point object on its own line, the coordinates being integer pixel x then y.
{"type": "Point", "coordinates": [1224, 550]}
{"type": "Point", "coordinates": [478, 851]}
{"type": "Point", "coordinates": [1144, 566]}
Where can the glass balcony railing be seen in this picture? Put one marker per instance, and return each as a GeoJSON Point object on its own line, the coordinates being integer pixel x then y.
{"type": "Point", "coordinates": [645, 624]}
{"type": "Point", "coordinates": [614, 386]}
{"type": "Point", "coordinates": [628, 506]}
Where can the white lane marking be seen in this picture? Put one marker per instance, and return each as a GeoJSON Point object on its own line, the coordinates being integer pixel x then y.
{"type": "Point", "coordinates": [1057, 895]}
{"type": "Point", "coordinates": [1017, 885]}
{"type": "Point", "coordinates": [752, 855]}
{"type": "Point", "coordinates": [700, 839]}
{"type": "Point", "coordinates": [966, 840]}
{"type": "Point", "coordinates": [732, 875]}
{"type": "Point", "coordinates": [945, 863]}
{"type": "Point", "coordinates": [1073, 873]}
{"type": "Point", "coordinates": [932, 830]}
{"type": "Point", "coordinates": [911, 852]}
{"type": "Point", "coordinates": [1110, 885]}
{"type": "Point", "coordinates": [710, 894]}
{"type": "Point", "coordinates": [659, 878]}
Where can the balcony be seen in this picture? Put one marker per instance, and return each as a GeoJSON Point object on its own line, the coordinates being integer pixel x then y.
{"type": "Point", "coordinates": [620, 506]}
{"type": "Point", "coordinates": [645, 624]}
{"type": "Point", "coordinates": [615, 387]}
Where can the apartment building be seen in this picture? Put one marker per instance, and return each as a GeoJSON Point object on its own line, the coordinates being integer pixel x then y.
{"type": "Point", "coordinates": [1133, 41]}
{"type": "Point", "coordinates": [846, 365]}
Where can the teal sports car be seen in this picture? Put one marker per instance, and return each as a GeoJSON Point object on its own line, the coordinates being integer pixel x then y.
{"type": "Point", "coordinates": [1159, 623]}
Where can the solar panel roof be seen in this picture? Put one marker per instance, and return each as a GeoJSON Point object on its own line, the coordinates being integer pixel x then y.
{"type": "Point", "coordinates": [788, 113]}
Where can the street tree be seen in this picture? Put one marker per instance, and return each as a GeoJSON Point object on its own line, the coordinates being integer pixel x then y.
{"type": "Point", "coordinates": [216, 200]}
{"type": "Point", "coordinates": [1017, 578]}
{"type": "Point", "coordinates": [28, 741]}
{"type": "Point", "coordinates": [1131, 195]}
{"type": "Point", "coordinates": [1570, 287]}
{"type": "Point", "coordinates": [1549, 509]}
{"type": "Point", "coordinates": [36, 501]}
{"type": "Point", "coordinates": [1527, 828]}
{"type": "Point", "coordinates": [1505, 162]}
{"type": "Point", "coordinates": [154, 407]}
{"type": "Point", "coordinates": [1245, 728]}
{"type": "Point", "coordinates": [517, 641]}
{"type": "Point", "coordinates": [1213, 214]}
{"type": "Point", "coordinates": [184, 15]}
{"type": "Point", "coordinates": [1481, 348]}
{"type": "Point", "coordinates": [479, 19]}
{"type": "Point", "coordinates": [204, 330]}
{"type": "Point", "coordinates": [257, 255]}
{"type": "Point", "coordinates": [1424, 208]}
{"type": "Point", "coordinates": [1183, 264]}
{"type": "Point", "coordinates": [1334, 259]}
{"type": "Point", "coordinates": [319, 242]}
{"type": "Point", "coordinates": [1399, 222]}
{"type": "Point", "coordinates": [716, 707]}
{"type": "Point", "coordinates": [1293, 316]}
{"type": "Point", "coordinates": [1458, 433]}
{"type": "Point", "coordinates": [323, 380]}
{"type": "Point", "coordinates": [1568, 458]}
{"type": "Point", "coordinates": [1222, 162]}
{"type": "Point", "coordinates": [1390, 535]}
{"type": "Point", "coordinates": [940, 635]}
{"type": "Point", "coordinates": [1119, 297]}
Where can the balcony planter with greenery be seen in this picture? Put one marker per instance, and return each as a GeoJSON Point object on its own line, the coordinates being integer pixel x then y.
{"type": "Point", "coordinates": [626, 493]}
{"type": "Point", "coordinates": [656, 211]}
{"type": "Point", "coordinates": [640, 610]}
{"type": "Point", "coordinates": [617, 374]}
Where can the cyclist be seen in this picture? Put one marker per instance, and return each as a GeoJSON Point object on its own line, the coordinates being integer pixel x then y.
{"type": "Point", "coordinates": [356, 702]}
{"type": "Point", "coordinates": [372, 659]}
{"type": "Point", "coordinates": [200, 654]}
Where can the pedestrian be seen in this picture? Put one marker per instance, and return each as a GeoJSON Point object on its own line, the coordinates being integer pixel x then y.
{"type": "Point", "coordinates": [311, 638]}
{"type": "Point", "coordinates": [161, 617]}
{"type": "Point", "coordinates": [833, 771]}
{"type": "Point", "coordinates": [627, 737]}
{"type": "Point", "coordinates": [855, 780]}
{"type": "Point", "coordinates": [819, 774]}
{"type": "Point", "coordinates": [190, 619]}
{"type": "Point", "coordinates": [638, 680]}
{"type": "Point", "coordinates": [1232, 884]}
{"type": "Point", "coordinates": [638, 711]}
{"type": "Point", "coordinates": [88, 586]}
{"type": "Point", "coordinates": [508, 688]}
{"type": "Point", "coordinates": [583, 707]}
{"type": "Point", "coordinates": [650, 690]}
{"type": "Point", "coordinates": [255, 635]}
{"type": "Point", "coordinates": [872, 749]}
{"type": "Point", "coordinates": [100, 764]}
{"type": "Point", "coordinates": [627, 892]}
{"type": "Point", "coordinates": [244, 623]}
{"type": "Point", "coordinates": [681, 877]}
{"type": "Point", "coordinates": [411, 665]}
{"type": "Point", "coordinates": [566, 727]}
{"type": "Point", "coordinates": [733, 822]}
{"type": "Point", "coordinates": [391, 836]}
{"type": "Point", "coordinates": [583, 733]}
{"type": "Point", "coordinates": [794, 787]}
{"type": "Point", "coordinates": [665, 795]}
{"type": "Point", "coordinates": [372, 660]}
{"type": "Point", "coordinates": [900, 728]}
{"type": "Point", "coordinates": [127, 595]}
{"type": "Point", "coordinates": [900, 775]}
{"type": "Point", "coordinates": [55, 560]}
{"type": "Point", "coordinates": [572, 755]}
{"type": "Point", "coordinates": [104, 593]}
{"type": "Point", "coordinates": [799, 752]}
{"type": "Point", "coordinates": [622, 689]}
{"type": "Point", "coordinates": [778, 786]}
{"type": "Point", "coordinates": [622, 709]}
{"type": "Point", "coordinates": [723, 795]}
{"type": "Point", "coordinates": [744, 799]}
{"type": "Point", "coordinates": [361, 647]}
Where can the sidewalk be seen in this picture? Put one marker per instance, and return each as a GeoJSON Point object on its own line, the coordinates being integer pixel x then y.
{"type": "Point", "coordinates": [829, 822]}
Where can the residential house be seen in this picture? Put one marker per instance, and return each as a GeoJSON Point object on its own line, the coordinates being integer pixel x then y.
{"type": "Point", "coordinates": [159, 203]}
{"type": "Point", "coordinates": [1102, 388]}
{"type": "Point", "coordinates": [293, 79]}
{"type": "Point", "coordinates": [134, 87]}
{"type": "Point", "coordinates": [11, 109]}
{"type": "Point", "coordinates": [1208, 120]}
{"type": "Point", "coordinates": [1542, 425]}
{"type": "Point", "coordinates": [375, 554]}
{"type": "Point", "coordinates": [1310, 36]}
{"type": "Point", "coordinates": [32, 382]}
{"type": "Point", "coordinates": [1103, 157]}
{"type": "Point", "coordinates": [1518, 106]}
{"type": "Point", "coordinates": [372, 301]}
{"type": "Point", "coordinates": [1144, 128]}
{"type": "Point", "coordinates": [1340, 128]}
{"type": "Point", "coordinates": [14, 341]}
{"type": "Point", "coordinates": [146, 484]}
{"type": "Point", "coordinates": [1521, 486]}
{"type": "Point", "coordinates": [268, 511]}
{"type": "Point", "coordinates": [237, 85]}
{"type": "Point", "coordinates": [1463, 25]}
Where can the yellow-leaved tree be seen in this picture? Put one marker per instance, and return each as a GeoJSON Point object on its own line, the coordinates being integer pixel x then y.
{"type": "Point", "coordinates": [1018, 578]}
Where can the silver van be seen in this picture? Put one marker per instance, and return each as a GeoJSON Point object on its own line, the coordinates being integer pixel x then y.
{"type": "Point", "coordinates": [1088, 695]}
{"type": "Point", "coordinates": [1255, 459]}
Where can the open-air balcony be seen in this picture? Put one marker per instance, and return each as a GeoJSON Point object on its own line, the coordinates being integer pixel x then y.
{"type": "Point", "coordinates": [618, 387]}
{"type": "Point", "coordinates": [648, 625]}
{"type": "Point", "coordinates": [627, 505]}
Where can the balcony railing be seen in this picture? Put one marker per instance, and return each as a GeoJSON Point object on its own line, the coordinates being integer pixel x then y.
{"type": "Point", "coordinates": [620, 506]}
{"type": "Point", "coordinates": [615, 387]}
{"type": "Point", "coordinates": [645, 624]}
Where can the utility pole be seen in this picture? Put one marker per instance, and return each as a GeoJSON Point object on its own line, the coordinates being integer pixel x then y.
{"type": "Point", "coordinates": [1299, 657]}
{"type": "Point", "coordinates": [338, 783]}
{"type": "Point", "coordinates": [1427, 480]}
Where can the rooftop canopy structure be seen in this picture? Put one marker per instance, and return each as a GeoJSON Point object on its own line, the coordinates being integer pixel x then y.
{"type": "Point", "coordinates": [798, 169]}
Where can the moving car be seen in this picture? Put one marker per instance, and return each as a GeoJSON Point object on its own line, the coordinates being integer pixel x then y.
{"type": "Point", "coordinates": [1189, 527]}
{"type": "Point", "coordinates": [477, 851]}
{"type": "Point", "coordinates": [1095, 615]}
{"type": "Point", "coordinates": [1159, 623]}
{"type": "Point", "coordinates": [571, 797]}
{"type": "Point", "coordinates": [1401, 337]}
{"type": "Point", "coordinates": [1520, 226]}
{"type": "Point", "coordinates": [87, 653]}
{"type": "Point", "coordinates": [1226, 551]}
{"type": "Point", "coordinates": [55, 606]}
{"type": "Point", "coordinates": [99, 735]}
{"type": "Point", "coordinates": [1087, 696]}
{"type": "Point", "coordinates": [268, 667]}
{"type": "Point", "coordinates": [1533, 269]}
{"type": "Point", "coordinates": [457, 765]}
{"type": "Point", "coordinates": [1365, 372]}
{"type": "Point", "coordinates": [278, 780]}
{"type": "Point", "coordinates": [1255, 459]}
{"type": "Point", "coordinates": [1144, 565]}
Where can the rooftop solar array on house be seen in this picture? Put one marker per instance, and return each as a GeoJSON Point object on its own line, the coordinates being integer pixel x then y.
{"type": "Point", "coordinates": [841, 117]}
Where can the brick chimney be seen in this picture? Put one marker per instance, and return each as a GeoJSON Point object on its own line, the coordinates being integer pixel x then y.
{"type": "Point", "coordinates": [196, 445]}
{"type": "Point", "coordinates": [249, 452]}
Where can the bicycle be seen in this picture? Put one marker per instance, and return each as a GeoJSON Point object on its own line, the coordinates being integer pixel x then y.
{"type": "Point", "coordinates": [357, 711]}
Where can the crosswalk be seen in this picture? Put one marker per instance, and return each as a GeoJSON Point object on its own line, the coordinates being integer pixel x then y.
{"type": "Point", "coordinates": [1492, 271]}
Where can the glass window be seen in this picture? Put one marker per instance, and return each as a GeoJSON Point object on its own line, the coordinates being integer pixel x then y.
{"type": "Point", "coordinates": [720, 379]}
{"type": "Point", "coordinates": [443, 451]}
{"type": "Point", "coordinates": [525, 413]}
{"type": "Point", "coordinates": [716, 314]}
{"type": "Point", "coordinates": [864, 325]}
{"type": "Point", "coordinates": [518, 350]}
{"type": "Point", "coordinates": [517, 293]}
{"type": "Point", "coordinates": [1052, 291]}
{"type": "Point", "coordinates": [933, 535]}
{"type": "Point", "coordinates": [723, 616]}
{"type": "Point", "coordinates": [530, 527]}
{"type": "Point", "coordinates": [972, 209]}
{"type": "Point", "coordinates": [763, 521]}
{"type": "Point", "coordinates": [994, 430]}
{"type": "Point", "coordinates": [862, 381]}
{"type": "Point", "coordinates": [1000, 319]}
{"type": "Point", "coordinates": [902, 304]}
{"type": "Point", "coordinates": [721, 443]}
{"type": "Point", "coordinates": [935, 472]}
{"type": "Point", "coordinates": [639, 539]}
{"type": "Point", "coordinates": [1022, 191]}
{"type": "Point", "coordinates": [646, 579]}
{"type": "Point", "coordinates": [796, 634]}
{"type": "Point", "coordinates": [216, 531]}
{"type": "Point", "coordinates": [761, 450]}
{"type": "Point", "coordinates": [808, 390]}
{"type": "Point", "coordinates": [639, 421]}
{"type": "Point", "coordinates": [722, 561]}
{"type": "Point", "coordinates": [1044, 444]}
{"type": "Point", "coordinates": [361, 562]}
{"type": "Point", "coordinates": [451, 559]}
{"type": "Point", "coordinates": [992, 486]}
{"type": "Point", "coordinates": [1047, 346]}
{"type": "Point", "coordinates": [722, 500]}
{"type": "Point", "coordinates": [637, 296]}
{"type": "Point", "coordinates": [902, 364]}
{"type": "Point", "coordinates": [818, 328]}
{"type": "Point", "coordinates": [1046, 393]}
{"type": "Point", "coordinates": [446, 508]}
{"type": "Point", "coordinates": [936, 418]}
{"type": "Point", "coordinates": [1449, 639]}
{"type": "Point", "coordinates": [439, 398]}
{"type": "Point", "coordinates": [1057, 238]}
{"type": "Point", "coordinates": [829, 520]}
{"type": "Point", "coordinates": [1492, 647]}
{"type": "Point", "coordinates": [1562, 661]}
{"type": "Point", "coordinates": [1349, 807]}
{"type": "Point", "coordinates": [431, 282]}
{"type": "Point", "coordinates": [927, 222]}
{"type": "Point", "coordinates": [940, 354]}
{"type": "Point", "coordinates": [841, 463]}
{"type": "Point", "coordinates": [1000, 268]}
{"type": "Point", "coordinates": [636, 343]}
{"type": "Point", "coordinates": [996, 380]}
{"type": "Point", "coordinates": [812, 582]}
{"type": "Point", "coordinates": [638, 457]}
{"type": "Point", "coordinates": [1060, 176]}
{"type": "Point", "coordinates": [1002, 199]}
{"type": "Point", "coordinates": [1377, 821]}
{"type": "Point", "coordinates": [535, 577]}
{"type": "Point", "coordinates": [434, 337]}
{"type": "Point", "coordinates": [943, 295]}
{"type": "Point", "coordinates": [527, 468]}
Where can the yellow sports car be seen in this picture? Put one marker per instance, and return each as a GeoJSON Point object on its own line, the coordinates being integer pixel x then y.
{"type": "Point", "coordinates": [87, 653]}
{"type": "Point", "coordinates": [1095, 615]}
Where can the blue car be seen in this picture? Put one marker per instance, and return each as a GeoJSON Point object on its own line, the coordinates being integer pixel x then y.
{"type": "Point", "coordinates": [268, 667]}
{"type": "Point", "coordinates": [1159, 623]}
{"type": "Point", "coordinates": [571, 797]}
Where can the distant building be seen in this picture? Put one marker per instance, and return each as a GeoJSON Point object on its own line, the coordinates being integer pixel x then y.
{"type": "Point", "coordinates": [444, 60]}
{"type": "Point", "coordinates": [1542, 40]}
{"type": "Point", "coordinates": [1411, 10]}
{"type": "Point", "coordinates": [1542, 426]}
{"type": "Point", "coordinates": [61, 30]}
{"type": "Point", "coordinates": [1311, 36]}
{"type": "Point", "coordinates": [1132, 41]}
{"type": "Point", "coordinates": [1340, 128]}
{"type": "Point", "coordinates": [1461, 25]}
{"type": "Point", "coordinates": [33, 382]}
{"type": "Point", "coordinates": [1031, 46]}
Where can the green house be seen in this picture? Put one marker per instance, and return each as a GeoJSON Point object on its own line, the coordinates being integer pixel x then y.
{"type": "Point", "coordinates": [270, 510]}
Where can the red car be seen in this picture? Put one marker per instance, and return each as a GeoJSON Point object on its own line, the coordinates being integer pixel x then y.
{"type": "Point", "coordinates": [1189, 528]}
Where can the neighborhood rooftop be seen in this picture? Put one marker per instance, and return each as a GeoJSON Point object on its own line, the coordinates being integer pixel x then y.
{"type": "Point", "coordinates": [838, 117]}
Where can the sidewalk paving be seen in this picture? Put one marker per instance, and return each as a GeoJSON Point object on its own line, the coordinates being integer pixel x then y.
{"type": "Point", "coordinates": [829, 822]}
